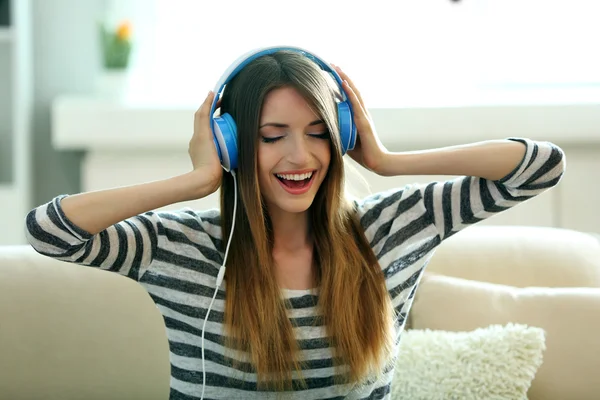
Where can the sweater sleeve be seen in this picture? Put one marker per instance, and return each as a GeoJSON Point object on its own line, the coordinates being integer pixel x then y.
{"type": "Point", "coordinates": [464, 201]}
{"type": "Point", "coordinates": [392, 217]}
{"type": "Point", "coordinates": [404, 226]}
{"type": "Point", "coordinates": [423, 215]}
{"type": "Point", "coordinates": [128, 247]}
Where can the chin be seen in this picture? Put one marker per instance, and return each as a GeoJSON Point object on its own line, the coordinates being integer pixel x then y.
{"type": "Point", "coordinates": [292, 204]}
{"type": "Point", "coordinates": [295, 207]}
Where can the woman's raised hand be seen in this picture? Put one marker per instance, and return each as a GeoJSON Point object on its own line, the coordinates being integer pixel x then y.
{"type": "Point", "coordinates": [202, 151]}
{"type": "Point", "coordinates": [368, 151]}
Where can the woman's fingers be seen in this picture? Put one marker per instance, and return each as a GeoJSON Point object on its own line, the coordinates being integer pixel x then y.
{"type": "Point", "coordinates": [345, 77]}
{"type": "Point", "coordinates": [204, 108]}
{"type": "Point", "coordinates": [360, 113]}
{"type": "Point", "coordinates": [201, 116]}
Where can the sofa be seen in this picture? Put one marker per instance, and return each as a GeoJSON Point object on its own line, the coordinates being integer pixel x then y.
{"type": "Point", "coordinates": [541, 277]}
{"type": "Point", "coordinates": [71, 332]}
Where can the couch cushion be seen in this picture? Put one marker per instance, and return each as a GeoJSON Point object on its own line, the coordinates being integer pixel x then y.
{"type": "Point", "coordinates": [521, 256]}
{"type": "Point", "coordinates": [569, 316]}
{"type": "Point", "coordinates": [497, 362]}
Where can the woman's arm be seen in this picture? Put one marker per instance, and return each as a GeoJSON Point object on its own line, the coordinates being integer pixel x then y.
{"type": "Point", "coordinates": [489, 160]}
{"type": "Point", "coordinates": [493, 176]}
{"type": "Point", "coordinates": [451, 205]}
{"type": "Point", "coordinates": [115, 229]}
{"type": "Point", "coordinates": [95, 211]}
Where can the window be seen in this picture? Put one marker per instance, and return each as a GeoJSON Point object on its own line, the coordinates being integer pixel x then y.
{"type": "Point", "coordinates": [398, 52]}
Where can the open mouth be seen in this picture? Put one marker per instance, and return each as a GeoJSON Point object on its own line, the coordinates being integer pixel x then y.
{"type": "Point", "coordinates": [296, 181]}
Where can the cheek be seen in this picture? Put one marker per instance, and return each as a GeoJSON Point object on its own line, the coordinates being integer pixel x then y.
{"type": "Point", "coordinates": [264, 163]}
{"type": "Point", "coordinates": [325, 154]}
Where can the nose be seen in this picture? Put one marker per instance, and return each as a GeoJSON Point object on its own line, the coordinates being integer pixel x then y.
{"type": "Point", "coordinates": [298, 151]}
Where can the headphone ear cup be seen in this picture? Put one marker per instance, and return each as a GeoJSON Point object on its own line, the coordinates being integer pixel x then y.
{"type": "Point", "coordinates": [347, 127]}
{"type": "Point", "coordinates": [225, 134]}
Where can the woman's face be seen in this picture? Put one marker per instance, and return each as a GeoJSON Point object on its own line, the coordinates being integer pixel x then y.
{"type": "Point", "coordinates": [293, 152]}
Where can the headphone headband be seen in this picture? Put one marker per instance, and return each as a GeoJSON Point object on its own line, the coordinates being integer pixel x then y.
{"type": "Point", "coordinates": [347, 128]}
{"type": "Point", "coordinates": [252, 55]}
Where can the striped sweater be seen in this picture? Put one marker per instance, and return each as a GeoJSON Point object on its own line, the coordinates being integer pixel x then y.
{"type": "Point", "coordinates": [176, 256]}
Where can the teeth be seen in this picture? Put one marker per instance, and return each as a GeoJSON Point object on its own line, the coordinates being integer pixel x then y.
{"type": "Point", "coordinates": [295, 177]}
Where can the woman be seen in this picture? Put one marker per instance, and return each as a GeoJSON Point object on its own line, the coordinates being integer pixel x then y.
{"type": "Point", "coordinates": [318, 286]}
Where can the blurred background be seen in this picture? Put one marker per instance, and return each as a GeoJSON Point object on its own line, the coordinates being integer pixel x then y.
{"type": "Point", "coordinates": [96, 94]}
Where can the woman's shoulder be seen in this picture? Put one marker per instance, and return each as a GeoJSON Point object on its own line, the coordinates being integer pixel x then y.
{"type": "Point", "coordinates": [208, 220]}
{"type": "Point", "coordinates": [212, 215]}
{"type": "Point", "coordinates": [377, 201]}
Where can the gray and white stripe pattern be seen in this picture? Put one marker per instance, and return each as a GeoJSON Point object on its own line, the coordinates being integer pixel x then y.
{"type": "Point", "coordinates": [176, 256]}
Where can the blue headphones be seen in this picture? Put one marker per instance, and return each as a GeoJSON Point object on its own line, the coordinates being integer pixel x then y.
{"type": "Point", "coordinates": [225, 130]}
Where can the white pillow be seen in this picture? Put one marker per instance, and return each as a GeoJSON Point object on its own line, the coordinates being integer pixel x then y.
{"type": "Point", "coordinates": [497, 362]}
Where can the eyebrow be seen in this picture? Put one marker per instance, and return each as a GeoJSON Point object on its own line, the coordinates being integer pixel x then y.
{"type": "Point", "coordinates": [280, 125]}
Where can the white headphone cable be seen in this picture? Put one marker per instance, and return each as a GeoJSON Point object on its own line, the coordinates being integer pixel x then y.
{"type": "Point", "coordinates": [220, 276]}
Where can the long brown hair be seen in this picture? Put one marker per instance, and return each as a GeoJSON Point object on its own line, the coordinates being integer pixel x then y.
{"type": "Point", "coordinates": [353, 299]}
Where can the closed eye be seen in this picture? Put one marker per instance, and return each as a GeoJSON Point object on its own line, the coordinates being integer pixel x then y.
{"type": "Point", "coordinates": [270, 139]}
{"type": "Point", "coordinates": [324, 135]}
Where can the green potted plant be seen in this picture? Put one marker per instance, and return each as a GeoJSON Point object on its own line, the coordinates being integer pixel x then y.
{"type": "Point", "coordinates": [116, 48]}
{"type": "Point", "coordinates": [116, 45]}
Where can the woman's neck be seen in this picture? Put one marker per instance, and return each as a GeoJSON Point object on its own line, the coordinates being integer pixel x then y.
{"type": "Point", "coordinates": [293, 251]}
{"type": "Point", "coordinates": [291, 232]}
